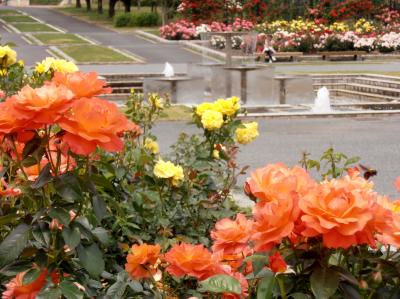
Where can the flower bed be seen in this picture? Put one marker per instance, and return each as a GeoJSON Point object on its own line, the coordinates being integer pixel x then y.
{"type": "Point", "coordinates": [381, 34]}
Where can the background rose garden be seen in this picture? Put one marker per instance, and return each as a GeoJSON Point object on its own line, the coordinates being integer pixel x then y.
{"type": "Point", "coordinates": [350, 25]}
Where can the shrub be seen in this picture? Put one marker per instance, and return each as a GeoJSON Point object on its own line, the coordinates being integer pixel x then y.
{"type": "Point", "coordinates": [146, 19]}
{"type": "Point", "coordinates": [122, 20]}
{"type": "Point", "coordinates": [141, 19]}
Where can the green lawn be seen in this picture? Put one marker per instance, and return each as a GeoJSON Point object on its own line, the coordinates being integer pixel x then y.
{"type": "Point", "coordinates": [94, 53]}
{"type": "Point", "coordinates": [9, 12]}
{"type": "Point", "coordinates": [18, 19]}
{"type": "Point", "coordinates": [44, 2]}
{"type": "Point", "coordinates": [59, 38]}
{"type": "Point", "coordinates": [36, 27]}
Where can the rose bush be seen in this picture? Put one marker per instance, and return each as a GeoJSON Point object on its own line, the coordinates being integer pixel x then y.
{"type": "Point", "coordinates": [81, 181]}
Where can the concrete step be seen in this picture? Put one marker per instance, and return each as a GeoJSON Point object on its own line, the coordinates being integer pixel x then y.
{"type": "Point", "coordinates": [383, 77]}
{"type": "Point", "coordinates": [365, 88]}
{"type": "Point", "coordinates": [336, 85]}
{"type": "Point", "coordinates": [378, 82]}
{"type": "Point", "coordinates": [364, 96]}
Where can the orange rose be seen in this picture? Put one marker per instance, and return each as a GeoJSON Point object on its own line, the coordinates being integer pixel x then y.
{"type": "Point", "coordinates": [142, 261]}
{"type": "Point", "coordinates": [7, 190]}
{"type": "Point", "coordinates": [94, 122]}
{"type": "Point", "coordinates": [231, 236]}
{"type": "Point", "coordinates": [83, 85]}
{"type": "Point", "coordinates": [391, 235]}
{"type": "Point", "coordinates": [15, 289]}
{"type": "Point", "coordinates": [276, 263]}
{"type": "Point", "coordinates": [192, 260]}
{"type": "Point", "coordinates": [276, 181]}
{"type": "Point", "coordinates": [273, 222]}
{"type": "Point", "coordinates": [340, 211]}
{"type": "Point", "coordinates": [10, 119]}
{"type": "Point", "coordinates": [42, 105]}
{"type": "Point", "coordinates": [236, 260]}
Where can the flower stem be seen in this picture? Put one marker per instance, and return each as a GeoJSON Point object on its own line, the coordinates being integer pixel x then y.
{"type": "Point", "coordinates": [281, 287]}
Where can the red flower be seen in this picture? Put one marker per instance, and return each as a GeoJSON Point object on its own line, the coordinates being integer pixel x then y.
{"type": "Point", "coordinates": [276, 263]}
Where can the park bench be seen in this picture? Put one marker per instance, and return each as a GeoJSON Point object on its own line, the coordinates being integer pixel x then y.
{"type": "Point", "coordinates": [357, 55]}
{"type": "Point", "coordinates": [284, 56]}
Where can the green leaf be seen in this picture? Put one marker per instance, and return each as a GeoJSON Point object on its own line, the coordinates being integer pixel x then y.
{"type": "Point", "coordinates": [102, 235]}
{"type": "Point", "coordinates": [68, 187]}
{"type": "Point", "coordinates": [70, 291]}
{"type": "Point", "coordinates": [31, 276]}
{"type": "Point", "coordinates": [41, 235]}
{"type": "Point", "coordinates": [91, 259]}
{"type": "Point", "coordinates": [266, 287]}
{"type": "Point", "coordinates": [7, 219]}
{"type": "Point", "coordinates": [99, 207]}
{"type": "Point", "coordinates": [61, 215]}
{"type": "Point", "coordinates": [50, 294]}
{"type": "Point", "coordinates": [349, 291]}
{"type": "Point", "coordinates": [72, 236]}
{"type": "Point", "coordinates": [324, 282]}
{"type": "Point", "coordinates": [135, 285]}
{"type": "Point", "coordinates": [117, 290]}
{"type": "Point", "coordinates": [14, 244]}
{"type": "Point", "coordinates": [352, 160]}
{"type": "Point", "coordinates": [44, 177]}
{"type": "Point", "coordinates": [221, 284]}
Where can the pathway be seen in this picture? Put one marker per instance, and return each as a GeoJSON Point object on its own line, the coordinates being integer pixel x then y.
{"type": "Point", "coordinates": [129, 42]}
{"type": "Point", "coordinates": [374, 139]}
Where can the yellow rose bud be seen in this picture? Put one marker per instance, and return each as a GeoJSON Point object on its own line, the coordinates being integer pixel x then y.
{"type": "Point", "coordinates": [151, 145]}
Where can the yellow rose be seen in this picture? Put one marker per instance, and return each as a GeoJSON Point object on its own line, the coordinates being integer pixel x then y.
{"type": "Point", "coordinates": [21, 62]}
{"type": "Point", "coordinates": [227, 107]}
{"type": "Point", "coordinates": [8, 55]}
{"type": "Point", "coordinates": [215, 154]}
{"type": "Point", "coordinates": [40, 68]}
{"type": "Point", "coordinates": [64, 66]}
{"type": "Point", "coordinates": [247, 134]}
{"type": "Point", "coordinates": [156, 100]}
{"type": "Point", "coordinates": [204, 107]}
{"type": "Point", "coordinates": [3, 72]}
{"type": "Point", "coordinates": [212, 120]}
{"type": "Point", "coordinates": [151, 145]}
{"type": "Point", "coordinates": [168, 170]}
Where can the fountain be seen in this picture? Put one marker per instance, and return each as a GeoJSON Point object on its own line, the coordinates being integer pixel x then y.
{"type": "Point", "coordinates": [322, 102]}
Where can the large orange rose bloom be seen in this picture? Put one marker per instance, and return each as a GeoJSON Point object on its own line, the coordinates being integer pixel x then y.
{"type": "Point", "coordinates": [276, 181]}
{"type": "Point", "coordinates": [11, 120]}
{"type": "Point", "coordinates": [192, 260]}
{"type": "Point", "coordinates": [273, 222]}
{"type": "Point", "coordinates": [339, 210]}
{"type": "Point", "coordinates": [15, 289]}
{"type": "Point", "coordinates": [83, 85]}
{"type": "Point", "coordinates": [142, 261]}
{"type": "Point", "coordinates": [42, 105]}
{"type": "Point", "coordinates": [94, 122]}
{"type": "Point", "coordinates": [231, 236]}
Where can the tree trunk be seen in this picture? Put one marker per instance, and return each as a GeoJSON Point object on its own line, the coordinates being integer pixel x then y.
{"type": "Point", "coordinates": [88, 5]}
{"type": "Point", "coordinates": [78, 4]}
{"type": "Point", "coordinates": [111, 8]}
{"type": "Point", "coordinates": [100, 6]}
{"type": "Point", "coordinates": [127, 4]}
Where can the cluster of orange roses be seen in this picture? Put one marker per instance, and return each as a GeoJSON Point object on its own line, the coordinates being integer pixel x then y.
{"type": "Point", "coordinates": [67, 111]}
{"type": "Point", "coordinates": [290, 206]}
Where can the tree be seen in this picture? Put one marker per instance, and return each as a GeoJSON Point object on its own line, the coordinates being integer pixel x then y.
{"type": "Point", "coordinates": [100, 6]}
{"type": "Point", "coordinates": [127, 5]}
{"type": "Point", "coordinates": [78, 4]}
{"type": "Point", "coordinates": [88, 5]}
{"type": "Point", "coordinates": [111, 8]}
